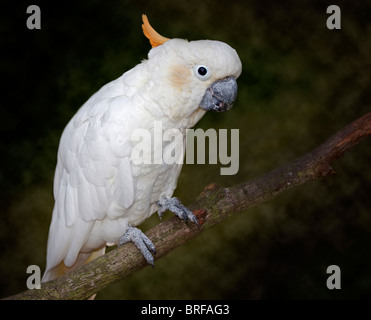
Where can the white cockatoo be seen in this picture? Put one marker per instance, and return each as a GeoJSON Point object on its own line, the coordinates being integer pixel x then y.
{"type": "Point", "coordinates": [100, 193]}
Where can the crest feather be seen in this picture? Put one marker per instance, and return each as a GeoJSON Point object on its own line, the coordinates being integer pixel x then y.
{"type": "Point", "coordinates": [154, 37]}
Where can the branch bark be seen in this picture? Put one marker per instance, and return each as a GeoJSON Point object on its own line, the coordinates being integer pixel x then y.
{"type": "Point", "coordinates": [213, 206]}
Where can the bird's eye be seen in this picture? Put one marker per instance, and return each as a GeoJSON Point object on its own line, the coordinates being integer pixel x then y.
{"type": "Point", "coordinates": [202, 72]}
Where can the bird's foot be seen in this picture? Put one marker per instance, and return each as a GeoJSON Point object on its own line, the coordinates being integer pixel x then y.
{"type": "Point", "coordinates": [141, 241]}
{"type": "Point", "coordinates": [175, 206]}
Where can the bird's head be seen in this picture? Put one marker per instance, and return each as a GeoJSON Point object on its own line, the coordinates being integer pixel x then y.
{"type": "Point", "coordinates": [192, 76]}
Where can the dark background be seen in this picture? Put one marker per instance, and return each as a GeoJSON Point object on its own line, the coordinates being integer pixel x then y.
{"type": "Point", "coordinates": [301, 82]}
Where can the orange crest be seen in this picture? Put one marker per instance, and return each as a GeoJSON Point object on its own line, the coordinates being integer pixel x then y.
{"type": "Point", "coordinates": [154, 37]}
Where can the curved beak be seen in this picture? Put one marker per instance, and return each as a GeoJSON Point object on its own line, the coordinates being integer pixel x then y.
{"type": "Point", "coordinates": [220, 95]}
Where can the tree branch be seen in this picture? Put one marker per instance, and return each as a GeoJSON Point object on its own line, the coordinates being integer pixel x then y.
{"type": "Point", "coordinates": [214, 205]}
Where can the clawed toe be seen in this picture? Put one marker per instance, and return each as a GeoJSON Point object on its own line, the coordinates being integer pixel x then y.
{"type": "Point", "coordinates": [175, 206]}
{"type": "Point", "coordinates": [141, 241]}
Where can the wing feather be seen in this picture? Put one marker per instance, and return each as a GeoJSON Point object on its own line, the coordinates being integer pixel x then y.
{"type": "Point", "coordinates": [93, 171]}
{"type": "Point", "coordinates": [123, 187]}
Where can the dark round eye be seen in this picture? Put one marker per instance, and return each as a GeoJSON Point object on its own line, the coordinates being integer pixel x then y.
{"type": "Point", "coordinates": [202, 72]}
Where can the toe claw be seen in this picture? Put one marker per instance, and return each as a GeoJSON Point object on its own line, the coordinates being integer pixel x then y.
{"type": "Point", "coordinates": [193, 219]}
{"type": "Point", "coordinates": [175, 206]}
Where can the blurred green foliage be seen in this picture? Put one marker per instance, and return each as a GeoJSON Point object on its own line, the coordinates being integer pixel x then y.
{"type": "Point", "coordinates": [300, 84]}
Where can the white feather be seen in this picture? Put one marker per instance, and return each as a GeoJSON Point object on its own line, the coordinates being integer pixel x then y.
{"type": "Point", "coordinates": [123, 186]}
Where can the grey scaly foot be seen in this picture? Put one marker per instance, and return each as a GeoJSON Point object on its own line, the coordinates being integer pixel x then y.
{"type": "Point", "coordinates": [175, 206]}
{"type": "Point", "coordinates": [141, 241]}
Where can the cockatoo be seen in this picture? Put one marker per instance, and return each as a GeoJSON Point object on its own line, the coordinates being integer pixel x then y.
{"type": "Point", "coordinates": [100, 193]}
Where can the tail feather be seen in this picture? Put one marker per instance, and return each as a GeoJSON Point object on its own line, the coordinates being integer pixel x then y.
{"type": "Point", "coordinates": [61, 268]}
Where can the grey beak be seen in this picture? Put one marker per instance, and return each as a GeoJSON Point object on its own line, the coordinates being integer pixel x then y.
{"type": "Point", "coordinates": [220, 95]}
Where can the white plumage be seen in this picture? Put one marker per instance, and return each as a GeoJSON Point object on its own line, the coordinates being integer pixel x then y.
{"type": "Point", "coordinates": [98, 190]}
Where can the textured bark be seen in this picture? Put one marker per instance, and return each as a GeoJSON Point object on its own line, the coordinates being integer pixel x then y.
{"type": "Point", "coordinates": [214, 205]}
